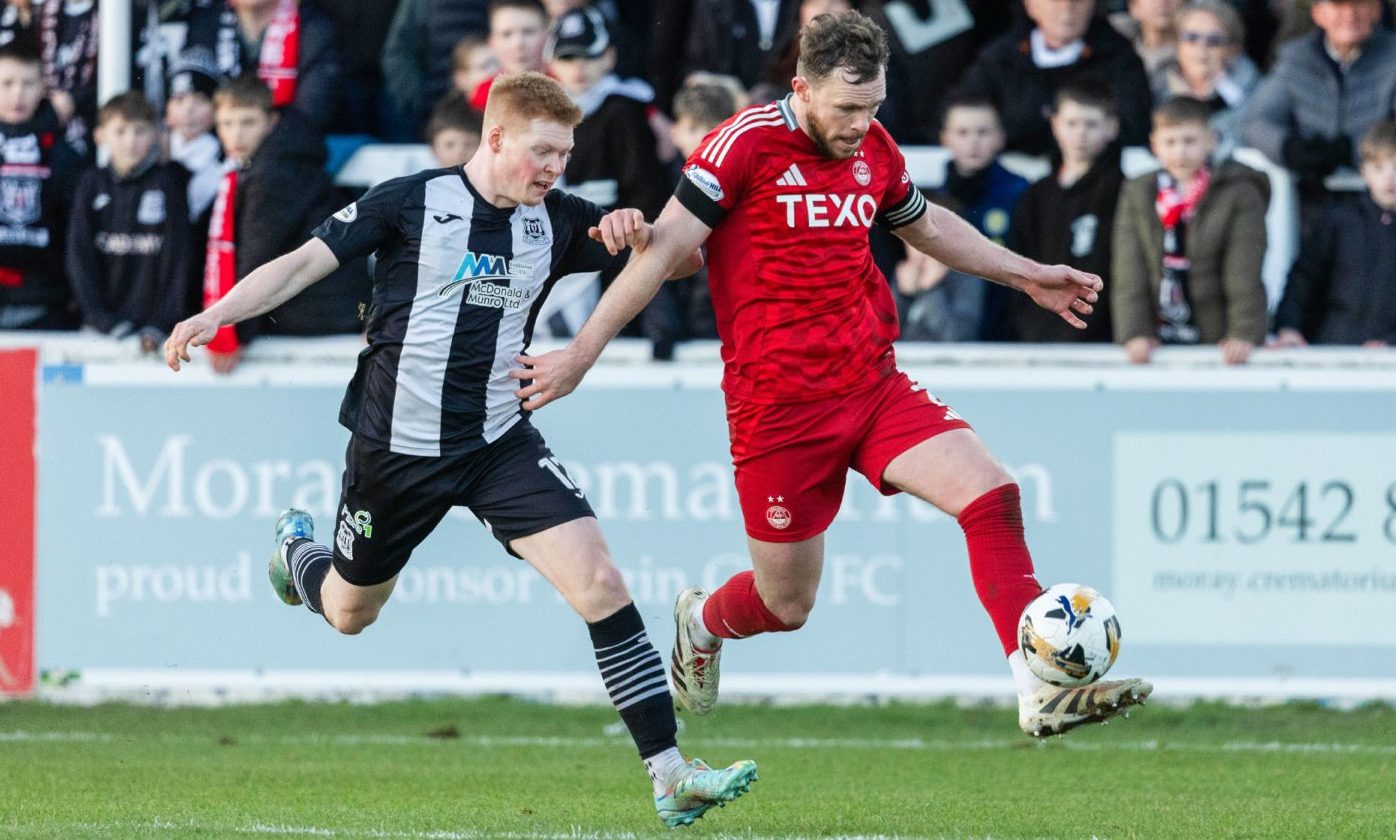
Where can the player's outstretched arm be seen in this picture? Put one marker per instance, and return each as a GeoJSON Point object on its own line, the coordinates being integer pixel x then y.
{"type": "Point", "coordinates": [260, 292]}
{"type": "Point", "coordinates": [672, 243]}
{"type": "Point", "coordinates": [955, 242]}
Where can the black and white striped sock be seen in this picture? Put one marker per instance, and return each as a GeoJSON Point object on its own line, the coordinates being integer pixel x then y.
{"type": "Point", "coordinates": [634, 677]}
{"type": "Point", "coordinates": [309, 562]}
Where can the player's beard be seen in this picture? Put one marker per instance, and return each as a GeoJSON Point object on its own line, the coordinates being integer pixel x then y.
{"type": "Point", "coordinates": [820, 135]}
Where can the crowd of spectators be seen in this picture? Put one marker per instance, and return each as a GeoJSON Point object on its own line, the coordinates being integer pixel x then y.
{"type": "Point", "coordinates": [216, 159]}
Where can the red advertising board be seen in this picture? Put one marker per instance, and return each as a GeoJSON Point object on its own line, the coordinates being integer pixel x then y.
{"type": "Point", "coordinates": [17, 424]}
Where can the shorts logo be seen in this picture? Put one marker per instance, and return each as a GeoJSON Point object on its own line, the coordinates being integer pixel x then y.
{"type": "Point", "coordinates": [705, 181]}
{"type": "Point", "coordinates": [862, 173]}
{"type": "Point", "coordinates": [358, 523]}
{"type": "Point", "coordinates": [777, 516]}
{"type": "Point", "coordinates": [348, 214]}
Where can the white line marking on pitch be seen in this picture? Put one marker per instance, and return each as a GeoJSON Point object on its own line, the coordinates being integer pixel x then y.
{"type": "Point", "coordinates": [575, 833]}
{"type": "Point", "coordinates": [913, 744]}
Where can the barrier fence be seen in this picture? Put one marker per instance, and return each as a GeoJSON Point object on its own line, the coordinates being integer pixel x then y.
{"type": "Point", "coordinates": [1242, 520]}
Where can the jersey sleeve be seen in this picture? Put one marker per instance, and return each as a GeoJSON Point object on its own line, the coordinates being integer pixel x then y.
{"type": "Point", "coordinates": [901, 203]}
{"type": "Point", "coordinates": [715, 175]}
{"type": "Point", "coordinates": [583, 253]}
{"type": "Point", "coordinates": [366, 225]}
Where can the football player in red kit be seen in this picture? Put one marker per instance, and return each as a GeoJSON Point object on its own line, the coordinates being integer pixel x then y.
{"type": "Point", "coordinates": [784, 196]}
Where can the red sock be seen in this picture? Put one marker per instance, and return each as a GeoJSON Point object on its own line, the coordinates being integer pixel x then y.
{"type": "Point", "coordinates": [998, 559]}
{"type": "Point", "coordinates": [735, 610]}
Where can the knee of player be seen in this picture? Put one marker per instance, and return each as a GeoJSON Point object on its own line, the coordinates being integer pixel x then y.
{"type": "Point", "coordinates": [608, 585]}
{"type": "Point", "coordinates": [793, 612]}
{"type": "Point", "coordinates": [351, 621]}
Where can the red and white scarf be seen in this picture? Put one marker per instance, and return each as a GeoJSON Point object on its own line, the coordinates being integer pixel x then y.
{"type": "Point", "coordinates": [1173, 205]}
{"type": "Point", "coordinates": [276, 65]}
{"type": "Point", "coordinates": [220, 261]}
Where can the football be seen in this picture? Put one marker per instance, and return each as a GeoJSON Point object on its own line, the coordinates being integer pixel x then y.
{"type": "Point", "coordinates": [1069, 635]}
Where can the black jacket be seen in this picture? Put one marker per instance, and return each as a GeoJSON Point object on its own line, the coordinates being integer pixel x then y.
{"type": "Point", "coordinates": [130, 247]}
{"type": "Point", "coordinates": [1342, 288]}
{"type": "Point", "coordinates": [720, 36]}
{"type": "Point", "coordinates": [1005, 73]}
{"type": "Point", "coordinates": [417, 54]}
{"type": "Point", "coordinates": [38, 170]}
{"type": "Point", "coordinates": [318, 78]}
{"type": "Point", "coordinates": [615, 161]}
{"type": "Point", "coordinates": [282, 195]}
{"type": "Point", "coordinates": [1070, 225]}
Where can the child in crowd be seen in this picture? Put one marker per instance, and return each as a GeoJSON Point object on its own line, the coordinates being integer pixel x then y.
{"type": "Point", "coordinates": [1189, 244]}
{"type": "Point", "coordinates": [518, 30]}
{"type": "Point", "coordinates": [937, 304]}
{"type": "Point", "coordinates": [1067, 216]}
{"type": "Point", "coordinates": [472, 63]}
{"type": "Point", "coordinates": [614, 163]}
{"type": "Point", "coordinates": [189, 117]}
{"type": "Point", "coordinates": [129, 234]}
{"type": "Point", "coordinates": [1342, 289]}
{"type": "Point", "coordinates": [454, 130]}
{"type": "Point", "coordinates": [698, 109]}
{"type": "Point", "coordinates": [273, 192]}
{"type": "Point", "coordinates": [37, 175]}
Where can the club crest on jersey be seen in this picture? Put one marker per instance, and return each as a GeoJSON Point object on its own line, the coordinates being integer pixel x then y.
{"type": "Point", "coordinates": [151, 210]}
{"type": "Point", "coordinates": [704, 181]}
{"type": "Point", "coordinates": [533, 231]}
{"type": "Point", "coordinates": [862, 173]}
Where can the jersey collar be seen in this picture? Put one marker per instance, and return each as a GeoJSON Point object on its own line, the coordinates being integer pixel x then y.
{"type": "Point", "coordinates": [787, 112]}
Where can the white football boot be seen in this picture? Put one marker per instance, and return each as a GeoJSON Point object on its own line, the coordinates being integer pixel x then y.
{"type": "Point", "coordinates": [693, 670]}
{"type": "Point", "coordinates": [1053, 710]}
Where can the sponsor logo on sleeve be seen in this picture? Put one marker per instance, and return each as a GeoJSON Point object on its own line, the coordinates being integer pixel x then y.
{"type": "Point", "coordinates": [348, 214]}
{"type": "Point", "coordinates": [705, 181]}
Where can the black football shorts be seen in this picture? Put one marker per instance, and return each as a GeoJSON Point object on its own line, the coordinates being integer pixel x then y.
{"type": "Point", "coordinates": [390, 501]}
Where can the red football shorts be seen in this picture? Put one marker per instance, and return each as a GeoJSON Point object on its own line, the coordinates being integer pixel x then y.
{"type": "Point", "coordinates": [792, 459]}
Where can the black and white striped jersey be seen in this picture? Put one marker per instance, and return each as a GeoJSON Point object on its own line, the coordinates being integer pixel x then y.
{"type": "Point", "coordinates": [455, 293]}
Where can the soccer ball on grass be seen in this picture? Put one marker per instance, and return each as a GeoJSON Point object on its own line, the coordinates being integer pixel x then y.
{"type": "Point", "coordinates": [1069, 635]}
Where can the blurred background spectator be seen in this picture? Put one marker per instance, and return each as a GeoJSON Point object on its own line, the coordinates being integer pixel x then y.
{"type": "Point", "coordinates": [419, 51]}
{"type": "Point", "coordinates": [1067, 217]}
{"type": "Point", "coordinates": [1150, 26]}
{"type": "Point", "coordinates": [129, 235]}
{"type": "Point", "coordinates": [453, 131]}
{"type": "Point", "coordinates": [37, 178]}
{"type": "Point", "coordinates": [274, 192]}
{"type": "Point", "coordinates": [1210, 67]}
{"type": "Point", "coordinates": [1189, 241]}
{"type": "Point", "coordinates": [1325, 89]}
{"type": "Point", "coordinates": [1342, 289]}
{"type": "Point", "coordinates": [189, 118]}
{"type": "Point", "coordinates": [1063, 41]}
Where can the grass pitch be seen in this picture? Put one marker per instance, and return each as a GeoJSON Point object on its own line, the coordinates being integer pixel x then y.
{"type": "Point", "coordinates": [493, 767]}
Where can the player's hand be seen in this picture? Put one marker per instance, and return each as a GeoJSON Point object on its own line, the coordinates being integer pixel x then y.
{"type": "Point", "coordinates": [554, 375]}
{"type": "Point", "coordinates": [1065, 291]}
{"type": "Point", "coordinates": [1289, 337]}
{"type": "Point", "coordinates": [1235, 351]}
{"type": "Point", "coordinates": [621, 229]}
{"type": "Point", "coordinates": [194, 332]}
{"type": "Point", "coordinates": [1139, 349]}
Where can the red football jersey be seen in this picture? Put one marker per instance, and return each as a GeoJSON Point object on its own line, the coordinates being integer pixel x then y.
{"type": "Point", "coordinates": [801, 309]}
